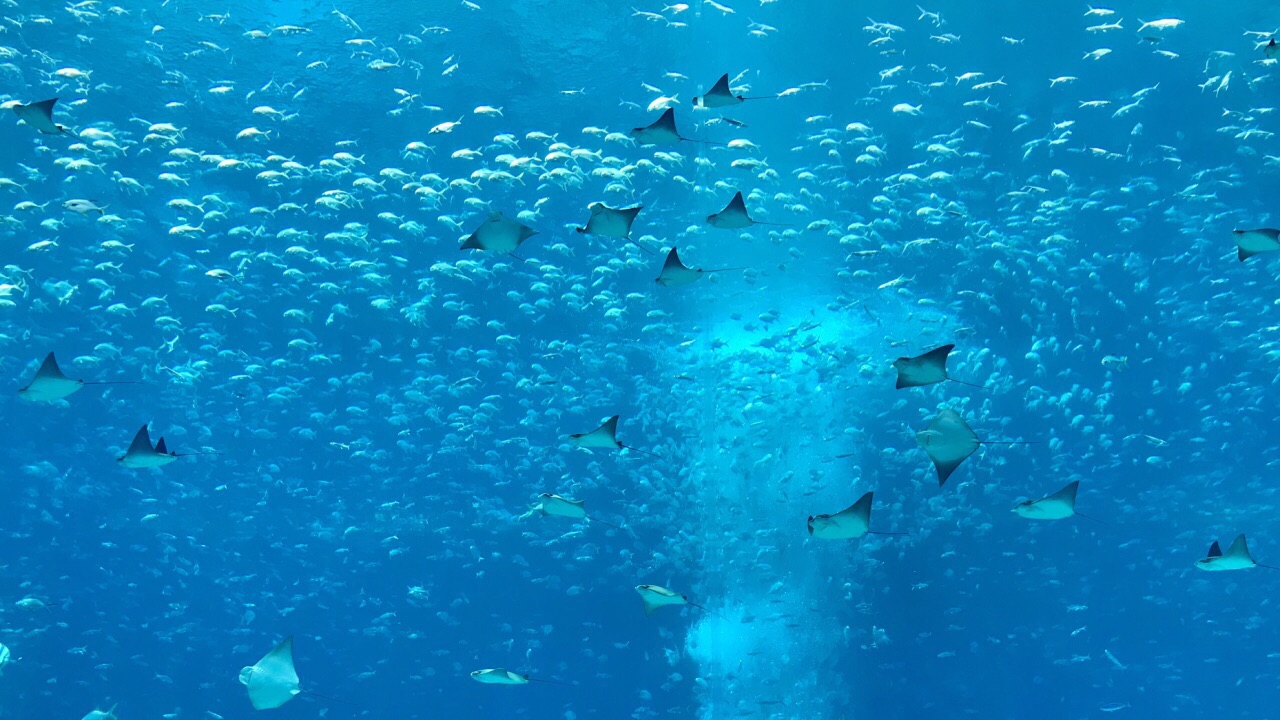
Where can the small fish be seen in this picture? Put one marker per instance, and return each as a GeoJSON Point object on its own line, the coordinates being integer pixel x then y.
{"type": "Point", "coordinates": [1118, 363]}
{"type": "Point", "coordinates": [445, 127]}
{"type": "Point", "coordinates": [101, 714]}
{"type": "Point", "coordinates": [84, 207]}
{"type": "Point", "coordinates": [30, 603]}
{"type": "Point", "coordinates": [1162, 24]}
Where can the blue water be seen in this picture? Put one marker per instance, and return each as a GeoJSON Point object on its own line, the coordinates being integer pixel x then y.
{"type": "Point", "coordinates": [380, 408]}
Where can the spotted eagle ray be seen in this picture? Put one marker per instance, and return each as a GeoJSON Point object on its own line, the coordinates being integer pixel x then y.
{"type": "Point", "coordinates": [39, 115]}
{"type": "Point", "coordinates": [948, 440]}
{"type": "Point", "coordinates": [612, 222]}
{"type": "Point", "coordinates": [926, 369]}
{"type": "Point", "coordinates": [1254, 242]}
{"type": "Point", "coordinates": [720, 95]}
{"type": "Point", "coordinates": [675, 273]}
{"type": "Point", "coordinates": [141, 454]}
{"type": "Point", "coordinates": [1057, 506]}
{"type": "Point", "coordinates": [500, 234]}
{"type": "Point", "coordinates": [51, 384]}
{"type": "Point", "coordinates": [559, 506]}
{"type": "Point", "coordinates": [848, 524]}
{"type": "Point", "coordinates": [656, 596]}
{"type": "Point", "coordinates": [734, 216]}
{"type": "Point", "coordinates": [272, 681]}
{"type": "Point", "coordinates": [604, 436]}
{"type": "Point", "coordinates": [663, 132]}
{"type": "Point", "coordinates": [1237, 557]}
{"type": "Point", "coordinates": [501, 676]}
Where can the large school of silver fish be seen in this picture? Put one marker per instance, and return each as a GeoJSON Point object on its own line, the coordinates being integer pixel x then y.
{"type": "Point", "coordinates": [310, 305]}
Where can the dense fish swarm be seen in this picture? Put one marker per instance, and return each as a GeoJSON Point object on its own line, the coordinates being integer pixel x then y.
{"type": "Point", "coordinates": [517, 348]}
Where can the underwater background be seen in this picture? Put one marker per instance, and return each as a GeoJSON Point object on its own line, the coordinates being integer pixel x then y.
{"type": "Point", "coordinates": [385, 407]}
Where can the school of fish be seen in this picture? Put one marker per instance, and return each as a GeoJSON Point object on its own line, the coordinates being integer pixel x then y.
{"type": "Point", "coordinates": [290, 336]}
